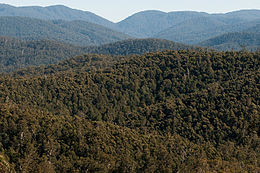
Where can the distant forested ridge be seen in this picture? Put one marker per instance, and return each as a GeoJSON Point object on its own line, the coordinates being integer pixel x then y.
{"type": "Point", "coordinates": [15, 54]}
{"type": "Point", "coordinates": [79, 33]}
{"type": "Point", "coordinates": [138, 46]}
{"type": "Point", "coordinates": [234, 41]}
{"type": "Point", "coordinates": [247, 39]}
{"type": "Point", "coordinates": [170, 111]}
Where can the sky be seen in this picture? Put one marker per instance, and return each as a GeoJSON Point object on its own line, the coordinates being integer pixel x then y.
{"type": "Point", "coordinates": [117, 10]}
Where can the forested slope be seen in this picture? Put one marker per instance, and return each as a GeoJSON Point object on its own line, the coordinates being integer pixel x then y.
{"type": "Point", "coordinates": [137, 46]}
{"type": "Point", "coordinates": [234, 41]}
{"type": "Point", "coordinates": [16, 53]}
{"type": "Point", "coordinates": [172, 111]}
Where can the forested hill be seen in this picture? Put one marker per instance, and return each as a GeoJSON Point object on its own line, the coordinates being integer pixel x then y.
{"type": "Point", "coordinates": [16, 54]}
{"type": "Point", "coordinates": [171, 111]}
{"type": "Point", "coordinates": [73, 32]}
{"type": "Point", "coordinates": [234, 41]}
{"type": "Point", "coordinates": [138, 46]}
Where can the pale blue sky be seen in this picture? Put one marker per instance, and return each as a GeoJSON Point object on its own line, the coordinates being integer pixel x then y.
{"type": "Point", "coordinates": [116, 10]}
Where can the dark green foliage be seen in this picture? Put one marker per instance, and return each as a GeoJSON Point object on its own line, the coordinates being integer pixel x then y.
{"type": "Point", "coordinates": [137, 46]}
{"type": "Point", "coordinates": [171, 111]}
{"type": "Point", "coordinates": [41, 142]}
{"type": "Point", "coordinates": [16, 54]}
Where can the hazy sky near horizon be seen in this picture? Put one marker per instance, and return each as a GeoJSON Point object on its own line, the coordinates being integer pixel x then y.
{"type": "Point", "coordinates": [116, 10]}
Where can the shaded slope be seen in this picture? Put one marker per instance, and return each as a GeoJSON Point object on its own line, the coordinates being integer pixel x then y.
{"type": "Point", "coordinates": [78, 33]}
{"type": "Point", "coordinates": [234, 41]}
{"type": "Point", "coordinates": [137, 46]}
{"type": "Point", "coordinates": [16, 54]}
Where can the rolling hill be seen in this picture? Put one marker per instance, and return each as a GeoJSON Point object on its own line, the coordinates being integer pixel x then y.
{"type": "Point", "coordinates": [75, 32]}
{"type": "Point", "coordinates": [15, 54]}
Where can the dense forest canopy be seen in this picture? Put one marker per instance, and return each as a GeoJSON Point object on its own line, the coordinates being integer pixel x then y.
{"type": "Point", "coordinates": [170, 111]}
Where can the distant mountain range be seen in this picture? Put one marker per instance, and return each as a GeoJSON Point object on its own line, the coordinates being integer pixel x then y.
{"type": "Point", "coordinates": [83, 28]}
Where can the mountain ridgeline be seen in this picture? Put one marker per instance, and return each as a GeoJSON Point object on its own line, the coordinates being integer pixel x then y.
{"type": "Point", "coordinates": [85, 28]}
{"type": "Point", "coordinates": [170, 111]}
{"type": "Point", "coordinates": [57, 12]}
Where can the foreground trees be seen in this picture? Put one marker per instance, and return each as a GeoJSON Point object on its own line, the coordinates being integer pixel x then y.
{"type": "Point", "coordinates": [186, 111]}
